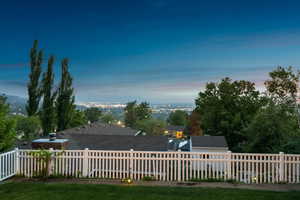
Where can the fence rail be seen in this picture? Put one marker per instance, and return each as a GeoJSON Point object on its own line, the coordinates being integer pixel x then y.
{"type": "Point", "coordinates": [165, 166]}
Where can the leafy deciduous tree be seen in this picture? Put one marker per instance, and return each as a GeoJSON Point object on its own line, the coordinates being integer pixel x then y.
{"type": "Point", "coordinates": [93, 114]}
{"type": "Point", "coordinates": [136, 112]}
{"type": "Point", "coordinates": [108, 118]}
{"type": "Point", "coordinates": [130, 114]}
{"type": "Point", "coordinates": [193, 127]}
{"type": "Point", "coordinates": [270, 129]}
{"type": "Point", "coordinates": [226, 108]}
{"type": "Point", "coordinates": [151, 126]}
{"type": "Point", "coordinates": [143, 111]}
{"type": "Point", "coordinates": [29, 127]}
{"type": "Point", "coordinates": [178, 118]}
{"type": "Point", "coordinates": [283, 84]}
{"type": "Point", "coordinates": [78, 119]}
{"type": "Point", "coordinates": [7, 126]}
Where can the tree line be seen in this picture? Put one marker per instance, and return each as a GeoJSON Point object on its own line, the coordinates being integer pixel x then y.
{"type": "Point", "coordinates": [57, 106]}
{"type": "Point", "coordinates": [49, 107]}
{"type": "Point", "coordinates": [253, 121]}
{"type": "Point", "coordinates": [250, 120]}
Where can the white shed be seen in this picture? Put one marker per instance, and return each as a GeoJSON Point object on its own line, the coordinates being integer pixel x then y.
{"type": "Point", "coordinates": [208, 144]}
{"type": "Point", "coordinates": [211, 148]}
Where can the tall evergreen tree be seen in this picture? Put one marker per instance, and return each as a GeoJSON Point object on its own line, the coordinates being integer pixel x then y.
{"type": "Point", "coordinates": [48, 107]}
{"type": "Point", "coordinates": [65, 107]}
{"type": "Point", "coordinates": [33, 86]}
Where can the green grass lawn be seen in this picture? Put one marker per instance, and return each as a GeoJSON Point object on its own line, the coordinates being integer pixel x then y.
{"type": "Point", "coordinates": [60, 191]}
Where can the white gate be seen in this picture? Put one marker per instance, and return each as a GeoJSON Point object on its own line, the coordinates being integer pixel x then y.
{"type": "Point", "coordinates": [8, 164]}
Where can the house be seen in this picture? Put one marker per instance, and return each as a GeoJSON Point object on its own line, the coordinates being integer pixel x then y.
{"type": "Point", "coordinates": [116, 142]}
{"type": "Point", "coordinates": [100, 136]}
{"type": "Point", "coordinates": [208, 144]}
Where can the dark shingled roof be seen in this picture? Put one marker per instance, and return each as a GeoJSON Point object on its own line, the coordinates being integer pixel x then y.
{"type": "Point", "coordinates": [208, 141]}
{"type": "Point", "coordinates": [99, 128]}
{"type": "Point", "coordinates": [117, 142]}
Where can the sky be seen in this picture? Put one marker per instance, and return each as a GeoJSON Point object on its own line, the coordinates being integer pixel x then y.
{"type": "Point", "coordinates": [160, 51]}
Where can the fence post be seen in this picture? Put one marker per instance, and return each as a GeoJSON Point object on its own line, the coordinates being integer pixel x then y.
{"type": "Point", "coordinates": [50, 167]}
{"type": "Point", "coordinates": [179, 165]}
{"type": "Point", "coordinates": [281, 166]}
{"type": "Point", "coordinates": [229, 175]}
{"type": "Point", "coordinates": [17, 166]}
{"type": "Point", "coordinates": [85, 162]}
{"type": "Point", "coordinates": [131, 164]}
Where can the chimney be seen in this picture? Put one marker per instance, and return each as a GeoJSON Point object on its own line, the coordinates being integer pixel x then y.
{"type": "Point", "coordinates": [52, 136]}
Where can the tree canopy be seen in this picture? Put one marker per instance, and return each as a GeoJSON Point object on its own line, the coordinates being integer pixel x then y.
{"type": "Point", "coordinates": [130, 114]}
{"type": "Point", "coordinates": [78, 119]}
{"type": "Point", "coordinates": [136, 112]}
{"type": "Point", "coordinates": [108, 118]}
{"type": "Point", "coordinates": [283, 84]}
{"type": "Point", "coordinates": [193, 127]}
{"type": "Point", "coordinates": [28, 127]}
{"type": "Point", "coordinates": [270, 129]}
{"type": "Point", "coordinates": [151, 126]}
{"type": "Point", "coordinates": [252, 121]}
{"type": "Point", "coordinates": [178, 118]}
{"type": "Point", "coordinates": [7, 126]}
{"type": "Point", "coordinates": [226, 108]}
{"type": "Point", "coordinates": [93, 114]}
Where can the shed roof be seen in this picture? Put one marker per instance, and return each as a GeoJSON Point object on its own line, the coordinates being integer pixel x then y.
{"type": "Point", "coordinates": [208, 141]}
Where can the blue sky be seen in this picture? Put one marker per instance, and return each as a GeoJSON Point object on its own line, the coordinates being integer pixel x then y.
{"type": "Point", "coordinates": [162, 51]}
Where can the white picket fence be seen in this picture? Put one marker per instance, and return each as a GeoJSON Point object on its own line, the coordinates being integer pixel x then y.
{"type": "Point", "coordinates": [8, 164]}
{"type": "Point", "coordinates": [166, 166]}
